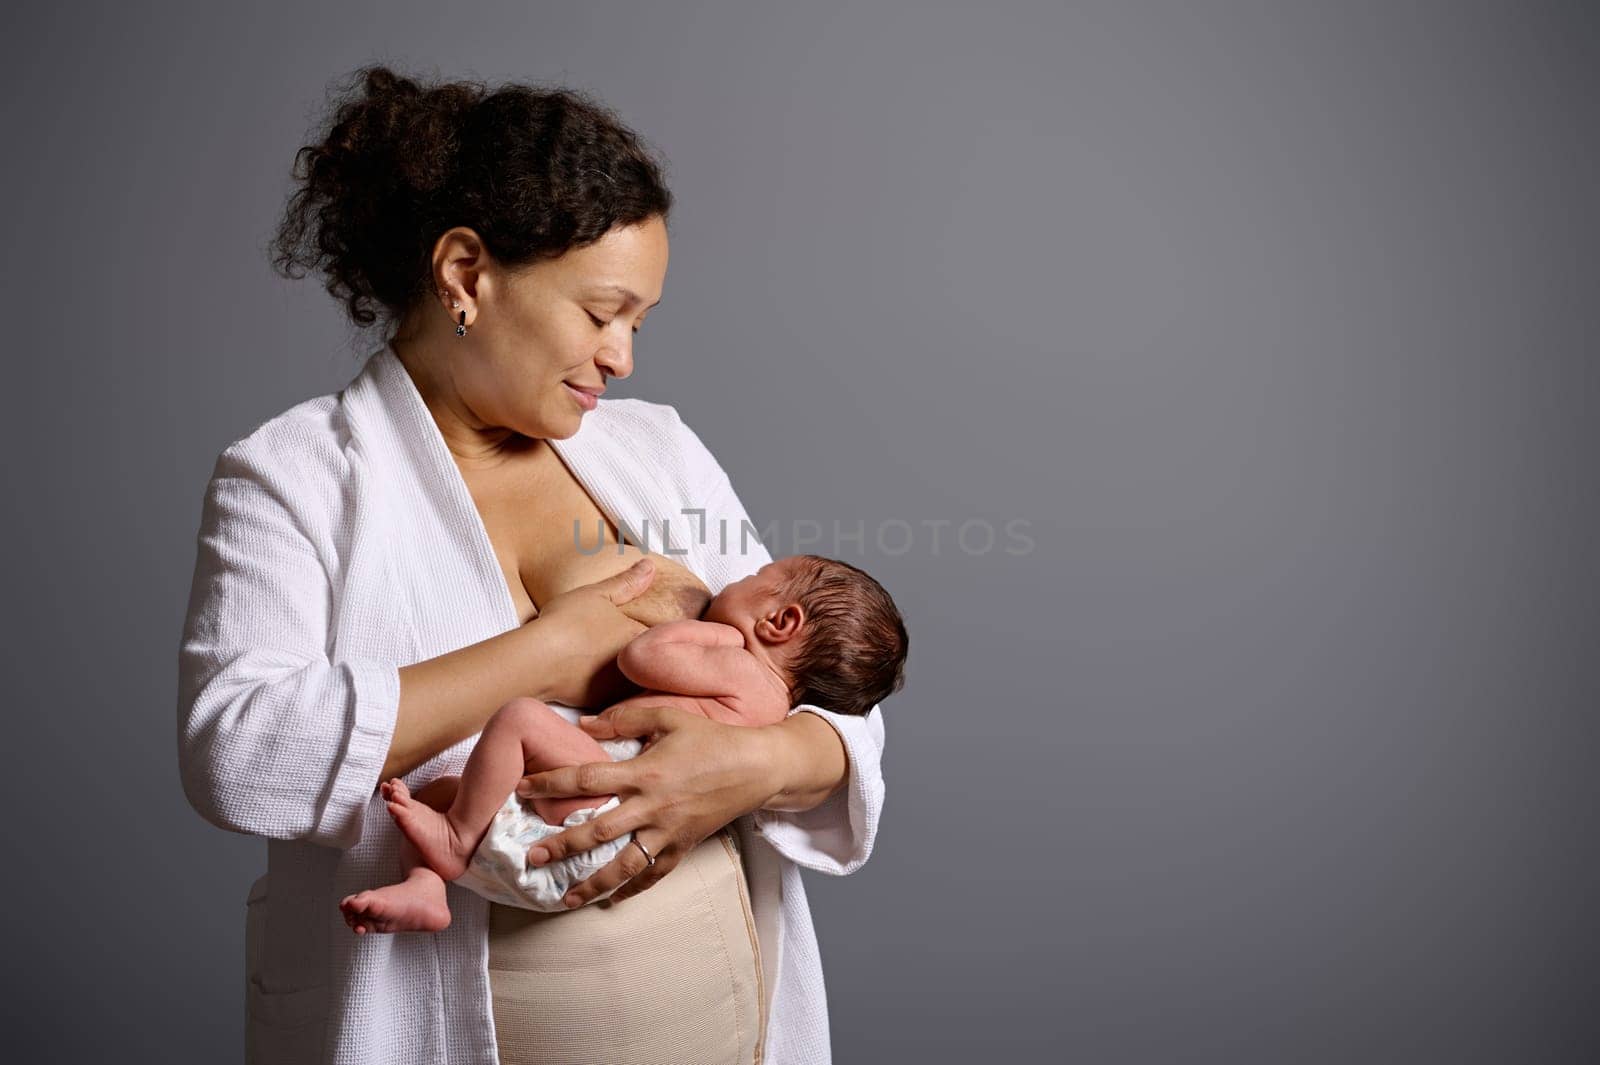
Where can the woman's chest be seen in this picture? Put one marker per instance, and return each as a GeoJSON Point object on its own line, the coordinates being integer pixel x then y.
{"type": "Point", "coordinates": [547, 533]}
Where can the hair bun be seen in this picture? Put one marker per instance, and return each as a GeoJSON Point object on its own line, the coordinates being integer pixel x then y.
{"type": "Point", "coordinates": [400, 161]}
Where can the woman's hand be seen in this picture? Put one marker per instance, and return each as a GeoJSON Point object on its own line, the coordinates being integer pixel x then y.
{"type": "Point", "coordinates": [592, 629]}
{"type": "Point", "coordinates": [674, 595]}
{"type": "Point", "coordinates": [694, 777]}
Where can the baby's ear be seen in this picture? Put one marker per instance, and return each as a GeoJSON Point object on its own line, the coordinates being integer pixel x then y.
{"type": "Point", "coordinates": [783, 625]}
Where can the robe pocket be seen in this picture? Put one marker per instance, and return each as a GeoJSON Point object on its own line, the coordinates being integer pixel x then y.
{"type": "Point", "coordinates": [284, 1027]}
{"type": "Point", "coordinates": [281, 1025]}
{"type": "Point", "coordinates": [287, 1009]}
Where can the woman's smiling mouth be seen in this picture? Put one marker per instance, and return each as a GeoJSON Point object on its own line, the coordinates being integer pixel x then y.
{"type": "Point", "coordinates": [588, 398]}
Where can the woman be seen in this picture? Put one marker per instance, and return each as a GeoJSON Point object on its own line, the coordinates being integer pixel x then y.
{"type": "Point", "coordinates": [381, 568]}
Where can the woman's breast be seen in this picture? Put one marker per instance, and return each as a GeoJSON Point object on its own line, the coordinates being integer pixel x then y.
{"type": "Point", "coordinates": [675, 593]}
{"type": "Point", "coordinates": [550, 537]}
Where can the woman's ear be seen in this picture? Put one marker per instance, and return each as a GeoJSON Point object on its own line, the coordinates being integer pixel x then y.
{"type": "Point", "coordinates": [782, 626]}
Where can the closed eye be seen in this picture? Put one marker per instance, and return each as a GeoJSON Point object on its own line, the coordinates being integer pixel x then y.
{"type": "Point", "coordinates": [601, 324]}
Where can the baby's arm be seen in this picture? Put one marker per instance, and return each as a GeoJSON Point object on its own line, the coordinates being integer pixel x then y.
{"type": "Point", "coordinates": [694, 658]}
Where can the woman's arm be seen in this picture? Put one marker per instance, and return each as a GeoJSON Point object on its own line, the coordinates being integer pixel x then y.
{"type": "Point", "coordinates": [275, 736]}
{"type": "Point", "coordinates": [812, 763]}
{"type": "Point", "coordinates": [561, 656]}
{"type": "Point", "coordinates": [830, 831]}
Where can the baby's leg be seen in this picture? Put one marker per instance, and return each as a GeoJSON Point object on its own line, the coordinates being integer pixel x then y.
{"type": "Point", "coordinates": [562, 745]}
{"type": "Point", "coordinates": [522, 733]}
{"type": "Point", "coordinates": [417, 903]}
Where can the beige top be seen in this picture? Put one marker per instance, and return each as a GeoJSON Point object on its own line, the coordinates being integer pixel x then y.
{"type": "Point", "coordinates": [672, 974]}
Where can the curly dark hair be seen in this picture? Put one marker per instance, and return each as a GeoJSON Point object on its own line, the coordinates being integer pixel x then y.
{"type": "Point", "coordinates": [854, 643]}
{"type": "Point", "coordinates": [533, 171]}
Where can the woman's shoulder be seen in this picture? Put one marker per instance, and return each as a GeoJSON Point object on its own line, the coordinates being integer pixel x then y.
{"type": "Point", "coordinates": [299, 456]}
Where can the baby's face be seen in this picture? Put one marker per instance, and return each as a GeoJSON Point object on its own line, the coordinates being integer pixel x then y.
{"type": "Point", "coordinates": [744, 602]}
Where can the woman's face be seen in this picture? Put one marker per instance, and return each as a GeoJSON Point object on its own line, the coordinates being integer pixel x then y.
{"type": "Point", "coordinates": [542, 340]}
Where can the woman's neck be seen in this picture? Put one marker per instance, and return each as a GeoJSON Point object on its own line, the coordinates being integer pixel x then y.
{"type": "Point", "coordinates": [472, 442]}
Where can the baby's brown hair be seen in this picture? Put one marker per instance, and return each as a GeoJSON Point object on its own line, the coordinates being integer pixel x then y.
{"type": "Point", "coordinates": [853, 647]}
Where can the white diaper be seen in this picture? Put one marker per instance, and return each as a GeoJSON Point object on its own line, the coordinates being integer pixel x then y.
{"type": "Point", "coordinates": [499, 870]}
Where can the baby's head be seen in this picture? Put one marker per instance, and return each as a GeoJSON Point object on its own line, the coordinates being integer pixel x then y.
{"type": "Point", "coordinates": [828, 627]}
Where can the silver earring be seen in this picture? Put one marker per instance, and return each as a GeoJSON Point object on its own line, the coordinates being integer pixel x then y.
{"type": "Point", "coordinates": [461, 326]}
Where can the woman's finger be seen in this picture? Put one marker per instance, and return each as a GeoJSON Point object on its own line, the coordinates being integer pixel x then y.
{"type": "Point", "coordinates": [630, 583]}
{"type": "Point", "coordinates": [598, 725]}
{"type": "Point", "coordinates": [590, 778]}
{"type": "Point", "coordinates": [634, 721]}
{"type": "Point", "coordinates": [624, 867]}
{"type": "Point", "coordinates": [604, 725]}
{"type": "Point", "coordinates": [644, 881]}
{"type": "Point", "coordinates": [575, 840]}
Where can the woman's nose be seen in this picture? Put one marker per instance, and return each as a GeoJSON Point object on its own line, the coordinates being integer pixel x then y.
{"type": "Point", "coordinates": [617, 359]}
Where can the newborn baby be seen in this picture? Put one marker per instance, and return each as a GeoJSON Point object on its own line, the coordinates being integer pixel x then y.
{"type": "Point", "coordinates": [803, 629]}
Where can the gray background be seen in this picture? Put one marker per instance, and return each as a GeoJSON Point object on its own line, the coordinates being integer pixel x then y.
{"type": "Point", "coordinates": [1274, 322]}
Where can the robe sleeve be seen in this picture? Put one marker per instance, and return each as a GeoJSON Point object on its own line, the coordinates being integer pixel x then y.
{"type": "Point", "coordinates": [276, 738]}
{"type": "Point", "coordinates": [836, 836]}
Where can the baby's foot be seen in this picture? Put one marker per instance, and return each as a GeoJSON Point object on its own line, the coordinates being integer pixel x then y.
{"type": "Point", "coordinates": [416, 905]}
{"type": "Point", "coordinates": [429, 831]}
